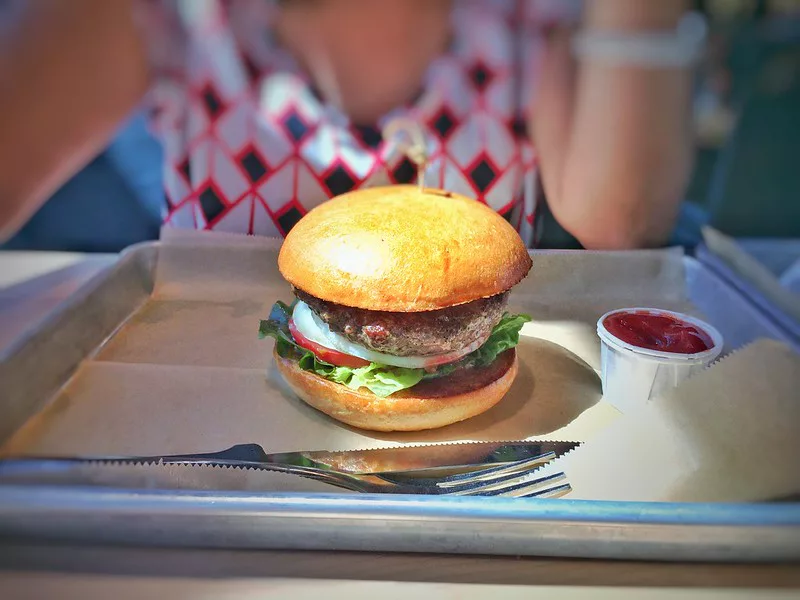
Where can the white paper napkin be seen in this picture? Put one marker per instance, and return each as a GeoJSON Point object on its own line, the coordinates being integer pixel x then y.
{"type": "Point", "coordinates": [730, 433]}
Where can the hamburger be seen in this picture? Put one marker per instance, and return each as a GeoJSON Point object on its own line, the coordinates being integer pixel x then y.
{"type": "Point", "coordinates": [399, 319]}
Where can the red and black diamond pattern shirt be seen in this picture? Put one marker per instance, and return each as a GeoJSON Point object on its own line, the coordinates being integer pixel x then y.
{"type": "Point", "coordinates": [250, 147]}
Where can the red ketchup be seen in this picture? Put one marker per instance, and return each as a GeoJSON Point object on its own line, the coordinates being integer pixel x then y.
{"type": "Point", "coordinates": [661, 332]}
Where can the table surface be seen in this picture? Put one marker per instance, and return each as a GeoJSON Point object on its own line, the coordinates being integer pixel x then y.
{"type": "Point", "coordinates": [32, 284]}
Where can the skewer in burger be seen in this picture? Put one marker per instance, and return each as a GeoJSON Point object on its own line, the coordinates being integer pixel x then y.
{"type": "Point", "coordinates": [399, 321]}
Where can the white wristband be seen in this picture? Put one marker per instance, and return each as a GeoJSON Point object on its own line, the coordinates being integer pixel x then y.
{"type": "Point", "coordinates": [664, 49]}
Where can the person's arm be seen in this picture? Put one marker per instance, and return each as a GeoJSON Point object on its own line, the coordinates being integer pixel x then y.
{"type": "Point", "coordinates": [70, 72]}
{"type": "Point", "coordinates": [614, 140]}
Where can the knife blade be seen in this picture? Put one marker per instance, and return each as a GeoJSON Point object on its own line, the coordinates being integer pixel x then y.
{"type": "Point", "coordinates": [428, 458]}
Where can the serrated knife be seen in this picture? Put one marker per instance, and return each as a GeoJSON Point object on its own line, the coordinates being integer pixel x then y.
{"type": "Point", "coordinates": [430, 458]}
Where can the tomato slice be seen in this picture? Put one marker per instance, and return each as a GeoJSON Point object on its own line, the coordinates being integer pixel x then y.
{"type": "Point", "coordinates": [329, 355]}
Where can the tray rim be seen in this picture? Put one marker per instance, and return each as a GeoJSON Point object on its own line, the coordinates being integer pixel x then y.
{"type": "Point", "coordinates": [784, 514]}
{"type": "Point", "coordinates": [757, 299]}
{"type": "Point", "coordinates": [390, 524]}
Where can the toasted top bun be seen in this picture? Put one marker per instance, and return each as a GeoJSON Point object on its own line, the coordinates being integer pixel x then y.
{"type": "Point", "coordinates": [401, 250]}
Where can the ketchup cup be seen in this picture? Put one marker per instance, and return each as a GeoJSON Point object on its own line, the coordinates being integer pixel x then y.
{"type": "Point", "coordinates": [646, 351]}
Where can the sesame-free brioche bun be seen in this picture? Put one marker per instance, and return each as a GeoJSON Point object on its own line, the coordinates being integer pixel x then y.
{"type": "Point", "coordinates": [428, 405]}
{"type": "Point", "coordinates": [399, 249]}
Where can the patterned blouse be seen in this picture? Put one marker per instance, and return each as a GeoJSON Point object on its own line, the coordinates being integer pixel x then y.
{"type": "Point", "coordinates": [250, 146]}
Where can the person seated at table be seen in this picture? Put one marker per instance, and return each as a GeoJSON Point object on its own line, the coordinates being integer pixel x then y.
{"type": "Point", "coordinates": [265, 108]}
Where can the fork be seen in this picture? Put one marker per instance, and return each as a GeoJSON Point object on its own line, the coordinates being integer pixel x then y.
{"type": "Point", "coordinates": [515, 479]}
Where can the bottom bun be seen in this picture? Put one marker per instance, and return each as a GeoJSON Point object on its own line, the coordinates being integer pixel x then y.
{"type": "Point", "coordinates": [429, 404]}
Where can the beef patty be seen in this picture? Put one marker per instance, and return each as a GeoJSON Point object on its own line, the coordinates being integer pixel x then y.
{"type": "Point", "coordinates": [413, 333]}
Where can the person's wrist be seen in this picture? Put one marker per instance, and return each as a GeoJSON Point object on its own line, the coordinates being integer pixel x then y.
{"type": "Point", "coordinates": [623, 16]}
{"type": "Point", "coordinates": [648, 34]}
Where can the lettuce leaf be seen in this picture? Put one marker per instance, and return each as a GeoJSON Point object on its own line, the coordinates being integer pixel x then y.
{"type": "Point", "coordinates": [504, 336]}
{"type": "Point", "coordinates": [385, 380]}
{"type": "Point", "coordinates": [381, 380]}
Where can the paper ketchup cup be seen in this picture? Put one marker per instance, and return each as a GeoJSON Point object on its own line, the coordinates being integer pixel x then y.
{"type": "Point", "coordinates": [646, 351]}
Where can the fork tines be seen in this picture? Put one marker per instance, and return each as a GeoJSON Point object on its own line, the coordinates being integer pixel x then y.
{"type": "Point", "coordinates": [516, 479]}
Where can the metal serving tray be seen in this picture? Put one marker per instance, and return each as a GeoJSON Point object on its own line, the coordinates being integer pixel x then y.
{"type": "Point", "coordinates": [699, 532]}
